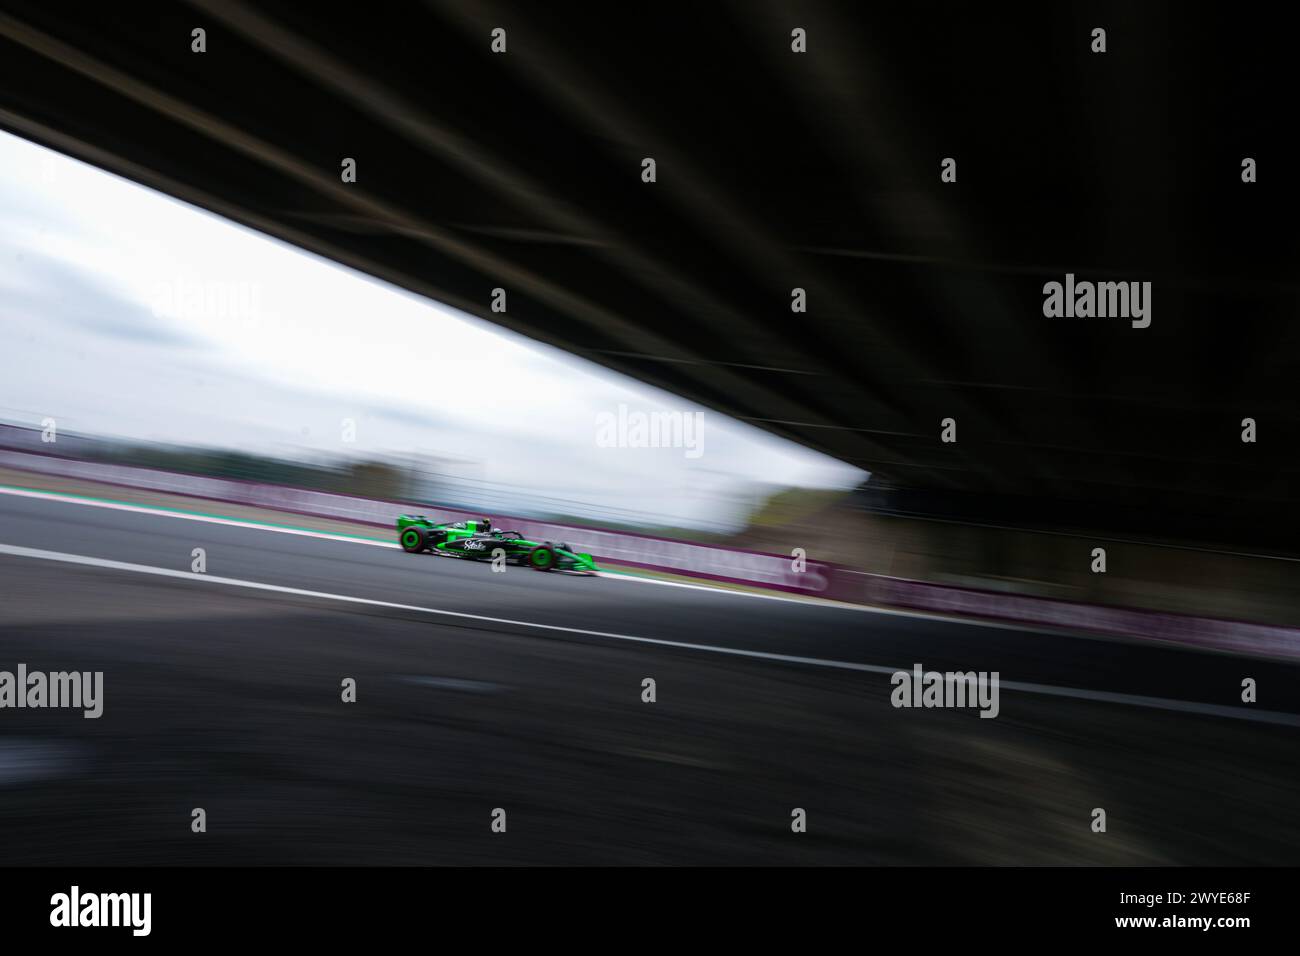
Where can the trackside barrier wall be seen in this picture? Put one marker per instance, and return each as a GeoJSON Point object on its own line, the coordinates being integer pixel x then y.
{"type": "Point", "coordinates": [1241, 637]}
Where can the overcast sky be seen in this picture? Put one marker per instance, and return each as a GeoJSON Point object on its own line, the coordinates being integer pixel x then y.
{"type": "Point", "coordinates": [102, 330]}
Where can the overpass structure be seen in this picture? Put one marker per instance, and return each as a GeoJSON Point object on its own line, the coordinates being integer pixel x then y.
{"type": "Point", "coordinates": [777, 170]}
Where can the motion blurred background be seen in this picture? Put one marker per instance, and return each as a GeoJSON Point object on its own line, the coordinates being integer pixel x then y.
{"type": "Point", "coordinates": [188, 285]}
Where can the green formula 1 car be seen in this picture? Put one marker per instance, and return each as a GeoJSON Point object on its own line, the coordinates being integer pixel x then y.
{"type": "Point", "coordinates": [478, 540]}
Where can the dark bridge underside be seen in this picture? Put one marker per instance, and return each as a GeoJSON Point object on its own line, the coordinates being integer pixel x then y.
{"type": "Point", "coordinates": [776, 171]}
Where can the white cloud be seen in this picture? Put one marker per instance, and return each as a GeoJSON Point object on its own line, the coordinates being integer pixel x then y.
{"type": "Point", "coordinates": [94, 277]}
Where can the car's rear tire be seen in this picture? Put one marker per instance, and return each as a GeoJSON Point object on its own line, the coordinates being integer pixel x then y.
{"type": "Point", "coordinates": [541, 558]}
{"type": "Point", "coordinates": [413, 540]}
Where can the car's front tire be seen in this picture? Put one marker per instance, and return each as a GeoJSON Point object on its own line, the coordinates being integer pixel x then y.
{"type": "Point", "coordinates": [541, 558]}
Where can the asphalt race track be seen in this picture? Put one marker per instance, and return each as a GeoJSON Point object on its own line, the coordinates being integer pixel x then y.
{"type": "Point", "coordinates": [227, 697]}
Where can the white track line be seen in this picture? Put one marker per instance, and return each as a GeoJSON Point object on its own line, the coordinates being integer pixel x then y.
{"type": "Point", "coordinates": [623, 576]}
{"type": "Point", "coordinates": [191, 516]}
{"type": "Point", "coordinates": [327, 536]}
{"type": "Point", "coordinates": [1159, 703]}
